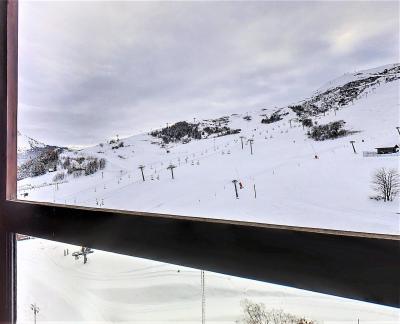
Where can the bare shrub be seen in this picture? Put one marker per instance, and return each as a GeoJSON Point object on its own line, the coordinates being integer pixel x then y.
{"type": "Point", "coordinates": [59, 177]}
{"type": "Point", "coordinates": [77, 173]}
{"type": "Point", "coordinates": [257, 314]}
{"type": "Point", "coordinates": [102, 163]}
{"type": "Point", "coordinates": [386, 184]}
{"type": "Point", "coordinates": [67, 162]}
{"type": "Point", "coordinates": [92, 166]}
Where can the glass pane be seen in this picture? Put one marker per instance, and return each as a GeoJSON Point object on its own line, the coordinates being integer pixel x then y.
{"type": "Point", "coordinates": [268, 112]}
{"type": "Point", "coordinates": [112, 288]}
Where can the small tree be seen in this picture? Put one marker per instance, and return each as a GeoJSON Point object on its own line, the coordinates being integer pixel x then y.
{"type": "Point", "coordinates": [35, 310]}
{"type": "Point", "coordinates": [102, 163]}
{"type": "Point", "coordinates": [386, 183]}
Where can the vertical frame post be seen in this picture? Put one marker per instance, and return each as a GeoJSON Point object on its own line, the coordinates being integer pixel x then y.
{"type": "Point", "coordinates": [7, 278]}
{"type": "Point", "coordinates": [12, 97]}
{"type": "Point", "coordinates": [8, 154]}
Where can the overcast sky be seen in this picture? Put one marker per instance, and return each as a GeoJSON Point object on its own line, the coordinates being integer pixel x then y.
{"type": "Point", "coordinates": [90, 70]}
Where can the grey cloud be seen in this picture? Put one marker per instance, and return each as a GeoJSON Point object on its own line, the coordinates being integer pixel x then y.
{"type": "Point", "coordinates": [89, 70]}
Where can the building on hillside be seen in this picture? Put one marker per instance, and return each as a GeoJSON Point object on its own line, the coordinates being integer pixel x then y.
{"type": "Point", "coordinates": [387, 150]}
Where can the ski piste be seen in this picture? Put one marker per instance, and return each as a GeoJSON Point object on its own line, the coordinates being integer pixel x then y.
{"type": "Point", "coordinates": [287, 176]}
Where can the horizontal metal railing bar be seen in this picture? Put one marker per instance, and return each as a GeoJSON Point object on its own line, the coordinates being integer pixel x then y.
{"type": "Point", "coordinates": [208, 219]}
{"type": "Point", "coordinates": [351, 265]}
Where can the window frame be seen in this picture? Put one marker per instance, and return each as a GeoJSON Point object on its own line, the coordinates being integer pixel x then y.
{"type": "Point", "coordinates": [305, 258]}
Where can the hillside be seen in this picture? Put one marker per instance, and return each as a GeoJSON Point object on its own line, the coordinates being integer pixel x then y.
{"type": "Point", "coordinates": [35, 158]}
{"type": "Point", "coordinates": [291, 178]}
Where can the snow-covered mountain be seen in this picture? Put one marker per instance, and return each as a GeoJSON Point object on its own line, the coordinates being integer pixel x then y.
{"type": "Point", "coordinates": [294, 165]}
{"type": "Point", "coordinates": [26, 143]}
{"type": "Point", "coordinates": [383, 73]}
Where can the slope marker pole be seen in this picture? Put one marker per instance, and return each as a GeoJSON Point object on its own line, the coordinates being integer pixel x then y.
{"type": "Point", "coordinates": [251, 145]}
{"type": "Point", "coordinates": [141, 167]}
{"type": "Point", "coordinates": [236, 192]}
{"type": "Point", "coordinates": [203, 298]}
{"type": "Point", "coordinates": [241, 140]}
{"type": "Point", "coordinates": [352, 144]}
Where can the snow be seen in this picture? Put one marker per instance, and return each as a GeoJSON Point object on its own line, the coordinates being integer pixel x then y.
{"type": "Point", "coordinates": [348, 77]}
{"type": "Point", "coordinates": [293, 188]}
{"type": "Point", "coordinates": [113, 288]}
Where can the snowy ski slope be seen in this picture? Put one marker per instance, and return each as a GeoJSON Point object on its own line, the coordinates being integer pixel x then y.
{"type": "Point", "coordinates": [292, 186]}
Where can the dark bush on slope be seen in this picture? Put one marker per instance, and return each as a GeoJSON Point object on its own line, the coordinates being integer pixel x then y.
{"type": "Point", "coordinates": [91, 166]}
{"type": "Point", "coordinates": [329, 131]}
{"type": "Point", "coordinates": [84, 165]}
{"type": "Point", "coordinates": [176, 132]}
{"type": "Point", "coordinates": [184, 131]}
{"type": "Point", "coordinates": [307, 122]}
{"type": "Point", "coordinates": [119, 145]}
{"type": "Point", "coordinates": [297, 109]}
{"type": "Point", "coordinates": [46, 160]}
{"type": "Point", "coordinates": [276, 116]}
{"type": "Point", "coordinates": [221, 131]}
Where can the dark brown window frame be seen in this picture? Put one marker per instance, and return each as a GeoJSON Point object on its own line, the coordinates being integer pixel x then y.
{"type": "Point", "coordinates": [360, 266]}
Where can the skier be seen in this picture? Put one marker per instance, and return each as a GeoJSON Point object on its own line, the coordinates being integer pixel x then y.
{"type": "Point", "coordinates": [240, 185]}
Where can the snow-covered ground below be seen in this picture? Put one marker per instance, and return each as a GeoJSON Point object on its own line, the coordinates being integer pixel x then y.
{"type": "Point", "coordinates": [113, 288]}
